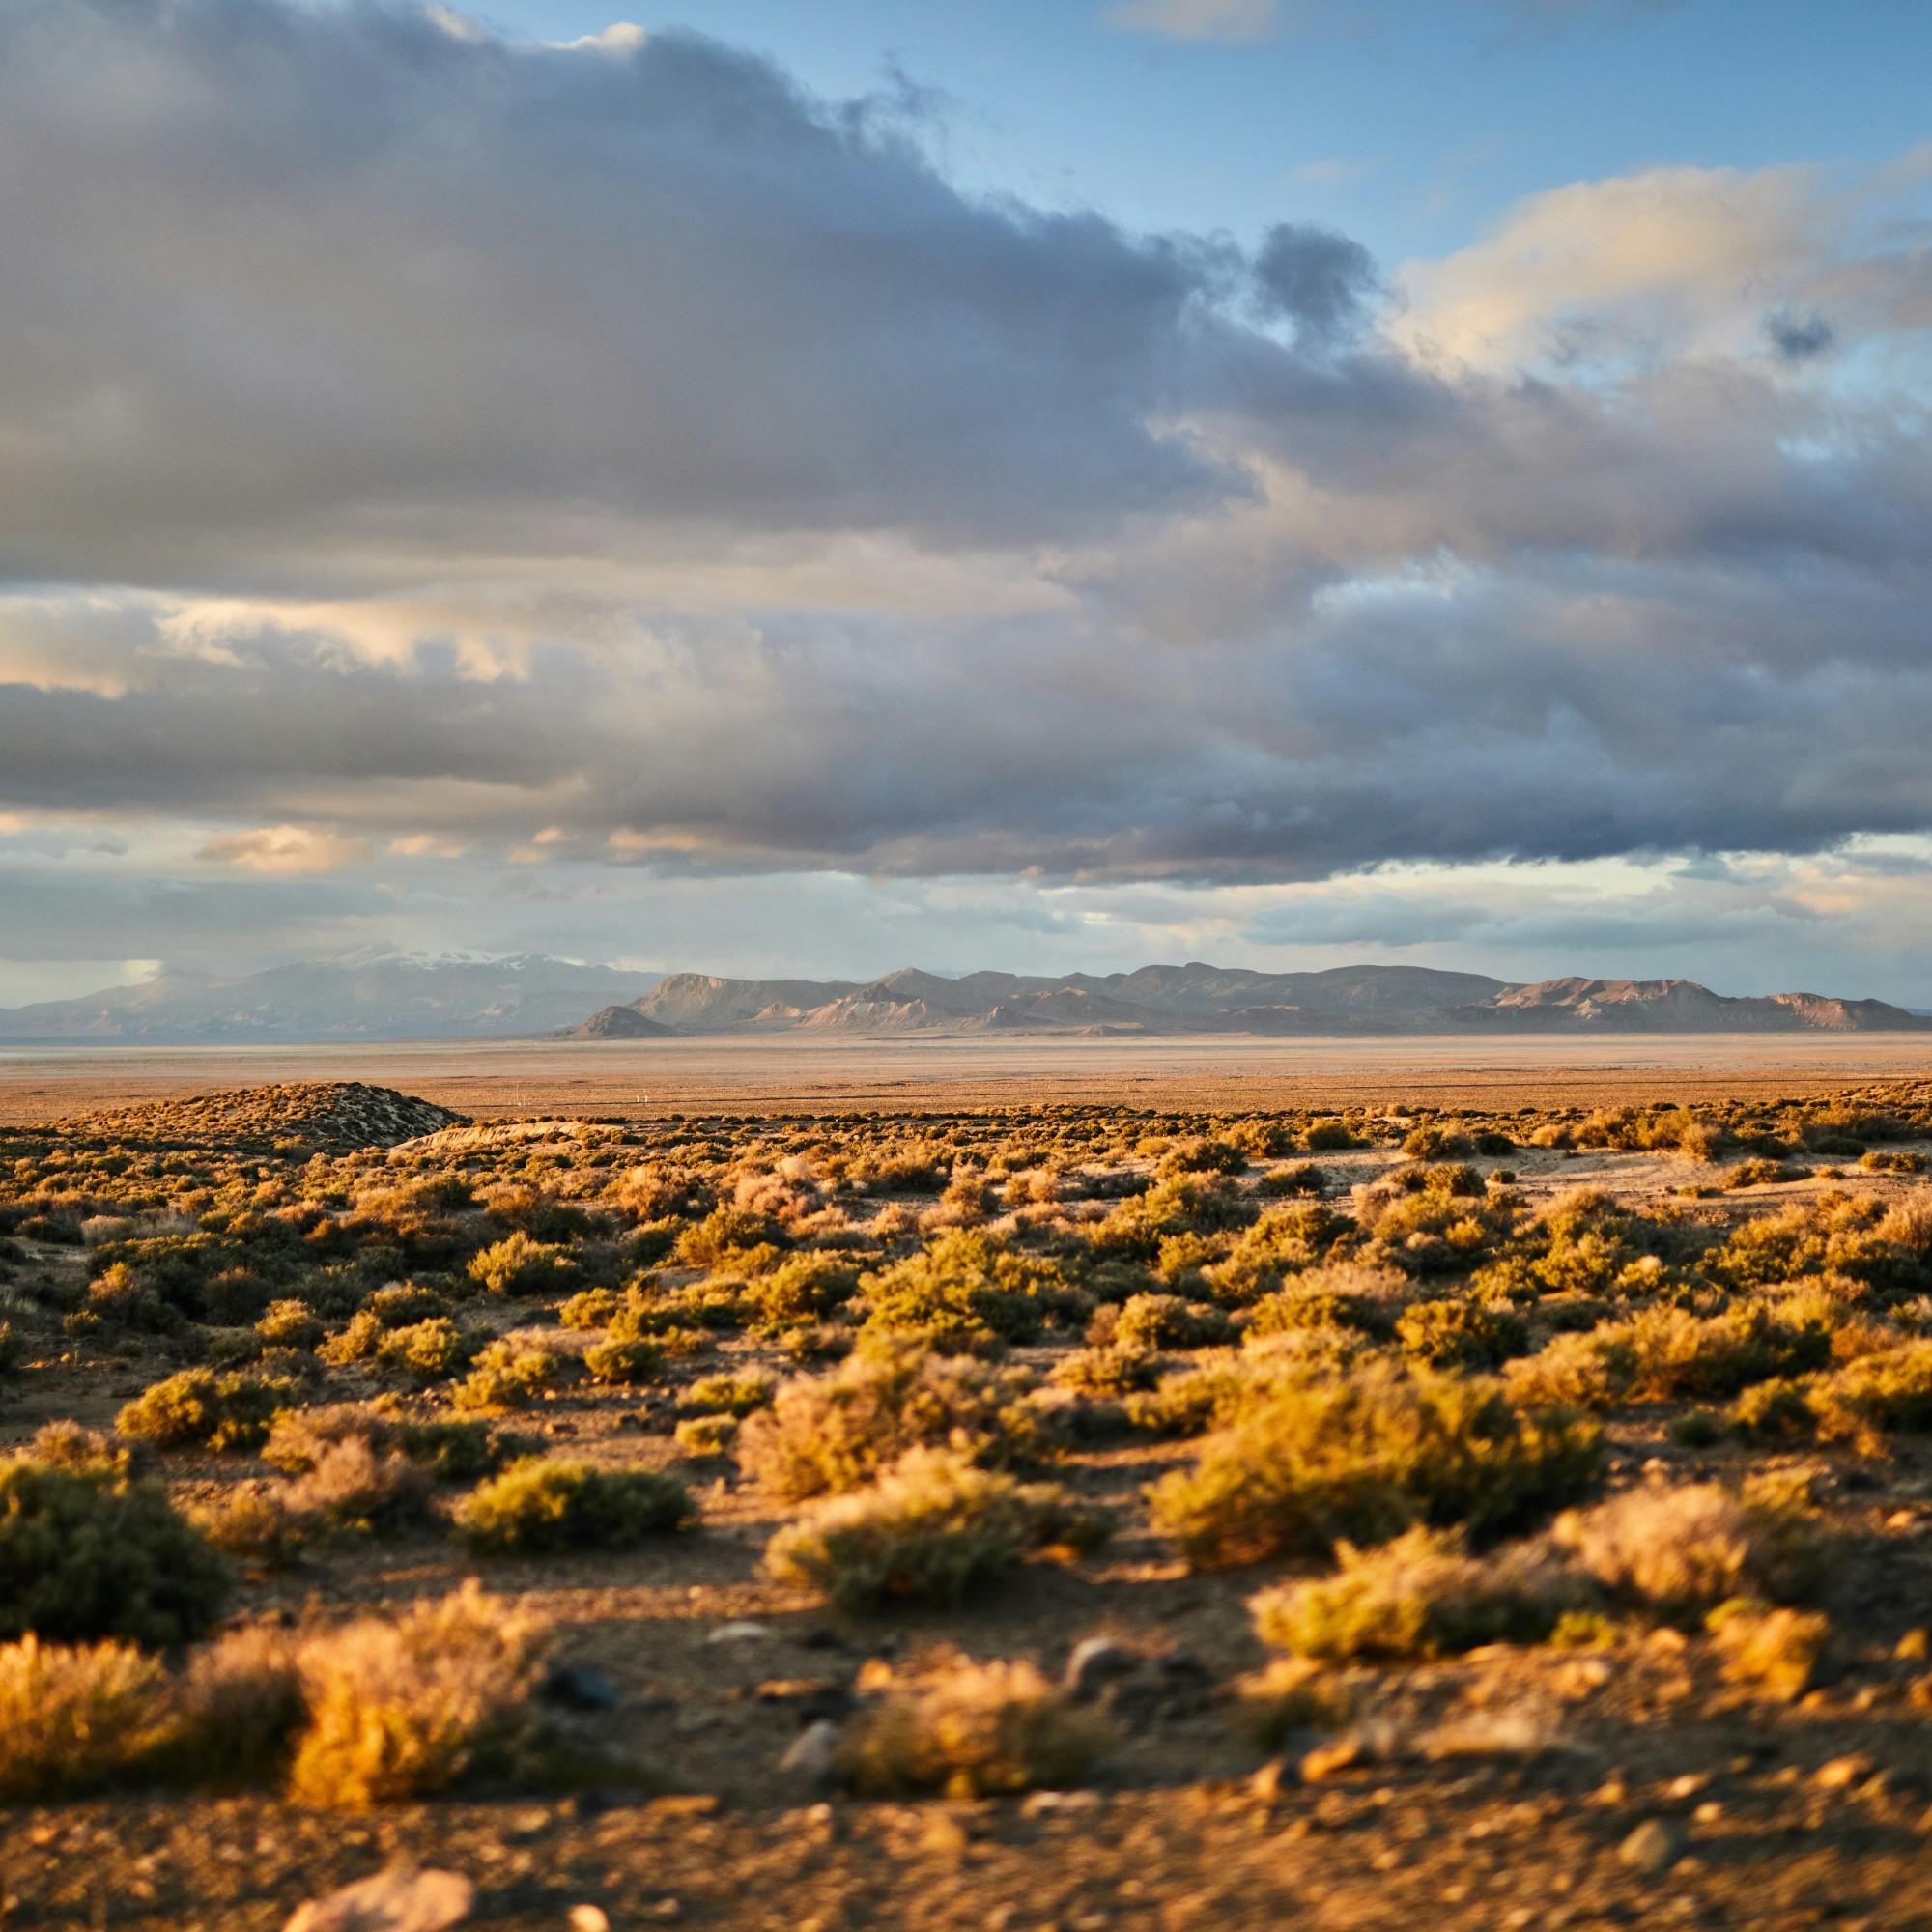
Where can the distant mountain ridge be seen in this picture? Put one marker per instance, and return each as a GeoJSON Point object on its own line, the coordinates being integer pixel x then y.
{"type": "Point", "coordinates": [1199, 998]}
{"type": "Point", "coordinates": [372, 994]}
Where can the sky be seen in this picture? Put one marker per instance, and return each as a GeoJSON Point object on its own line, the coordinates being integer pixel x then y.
{"type": "Point", "coordinates": [815, 488]}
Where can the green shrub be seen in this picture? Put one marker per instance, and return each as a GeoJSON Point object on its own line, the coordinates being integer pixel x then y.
{"type": "Point", "coordinates": [930, 1530]}
{"type": "Point", "coordinates": [538, 1506]}
{"type": "Point", "coordinates": [1460, 1334]}
{"type": "Point", "coordinates": [1361, 1456]}
{"type": "Point", "coordinates": [799, 1289]}
{"type": "Point", "coordinates": [509, 1376]}
{"type": "Point", "coordinates": [964, 1290]}
{"type": "Point", "coordinates": [430, 1351]}
{"type": "Point", "coordinates": [1148, 1322]}
{"type": "Point", "coordinates": [289, 1325]}
{"type": "Point", "coordinates": [706, 1434]}
{"type": "Point", "coordinates": [203, 1409]}
{"type": "Point", "coordinates": [738, 1395]}
{"type": "Point", "coordinates": [624, 1363]}
{"type": "Point", "coordinates": [89, 1551]}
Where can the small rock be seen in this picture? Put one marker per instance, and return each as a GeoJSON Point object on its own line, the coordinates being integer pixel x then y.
{"type": "Point", "coordinates": [1096, 1662]}
{"type": "Point", "coordinates": [1043, 1804]}
{"type": "Point", "coordinates": [1326, 1760]}
{"type": "Point", "coordinates": [1274, 1778]}
{"type": "Point", "coordinates": [813, 1754]}
{"type": "Point", "coordinates": [1843, 1770]}
{"type": "Point", "coordinates": [1913, 1646]}
{"type": "Point", "coordinates": [1653, 1848]}
{"type": "Point", "coordinates": [575, 1687]}
{"type": "Point", "coordinates": [589, 1918]}
{"type": "Point", "coordinates": [739, 1633]}
{"type": "Point", "coordinates": [399, 1900]}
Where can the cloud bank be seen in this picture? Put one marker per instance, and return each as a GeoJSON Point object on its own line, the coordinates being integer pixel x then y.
{"type": "Point", "coordinates": [525, 461]}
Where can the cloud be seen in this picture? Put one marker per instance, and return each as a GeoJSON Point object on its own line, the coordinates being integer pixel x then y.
{"type": "Point", "coordinates": [286, 851]}
{"type": "Point", "coordinates": [490, 482]}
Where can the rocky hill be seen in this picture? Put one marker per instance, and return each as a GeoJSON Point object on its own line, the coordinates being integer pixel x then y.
{"type": "Point", "coordinates": [320, 1117]}
{"type": "Point", "coordinates": [1198, 998]}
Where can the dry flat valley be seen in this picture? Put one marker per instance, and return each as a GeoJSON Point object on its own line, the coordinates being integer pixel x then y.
{"type": "Point", "coordinates": [1114, 1484]}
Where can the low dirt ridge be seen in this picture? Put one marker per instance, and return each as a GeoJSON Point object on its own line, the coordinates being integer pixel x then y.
{"type": "Point", "coordinates": [329, 1117]}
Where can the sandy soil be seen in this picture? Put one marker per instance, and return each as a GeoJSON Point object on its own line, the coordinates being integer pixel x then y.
{"type": "Point", "coordinates": [641, 1079]}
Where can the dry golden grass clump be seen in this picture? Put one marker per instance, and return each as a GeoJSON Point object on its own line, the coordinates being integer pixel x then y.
{"type": "Point", "coordinates": [1362, 1455]}
{"type": "Point", "coordinates": [1689, 1548]}
{"type": "Point", "coordinates": [931, 1530]}
{"type": "Point", "coordinates": [971, 1730]}
{"type": "Point", "coordinates": [825, 1433]}
{"type": "Point", "coordinates": [1421, 1595]}
{"type": "Point", "coordinates": [406, 1708]}
{"type": "Point", "coordinates": [74, 1717]}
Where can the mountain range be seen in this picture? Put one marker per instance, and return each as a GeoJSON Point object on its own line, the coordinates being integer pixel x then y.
{"type": "Point", "coordinates": [1198, 998]}
{"type": "Point", "coordinates": [372, 994]}
{"type": "Point", "coordinates": [375, 994]}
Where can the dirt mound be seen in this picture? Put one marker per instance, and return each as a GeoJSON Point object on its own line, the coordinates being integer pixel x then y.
{"type": "Point", "coordinates": [329, 1117]}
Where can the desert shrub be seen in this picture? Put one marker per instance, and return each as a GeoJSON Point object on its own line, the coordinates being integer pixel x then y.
{"type": "Point", "coordinates": [73, 1718]}
{"type": "Point", "coordinates": [540, 1506]}
{"type": "Point", "coordinates": [736, 1394]}
{"type": "Point", "coordinates": [591, 1308]}
{"type": "Point", "coordinates": [203, 1409]}
{"type": "Point", "coordinates": [89, 1551]}
{"type": "Point", "coordinates": [1304, 1178]}
{"type": "Point", "coordinates": [1289, 1695]}
{"type": "Point", "coordinates": [289, 1325]}
{"type": "Point", "coordinates": [1199, 1155]}
{"type": "Point", "coordinates": [971, 1730]}
{"type": "Point", "coordinates": [829, 1432]}
{"type": "Point", "coordinates": [519, 1266]}
{"type": "Point", "coordinates": [705, 1435]}
{"type": "Point", "coordinates": [1460, 1334]}
{"type": "Point", "coordinates": [1329, 1137]}
{"type": "Point", "coordinates": [257, 1524]}
{"type": "Point", "coordinates": [1872, 1396]}
{"type": "Point", "coordinates": [802, 1289]}
{"type": "Point", "coordinates": [510, 1374]}
{"type": "Point", "coordinates": [356, 1485]}
{"type": "Point", "coordinates": [1432, 1141]}
{"type": "Point", "coordinates": [964, 1289]}
{"type": "Point", "coordinates": [624, 1362]}
{"type": "Point", "coordinates": [1363, 1455]}
{"type": "Point", "coordinates": [725, 1234]}
{"type": "Point", "coordinates": [430, 1351]}
{"type": "Point", "coordinates": [403, 1709]}
{"type": "Point", "coordinates": [1892, 1161]}
{"type": "Point", "coordinates": [1422, 1595]}
{"type": "Point", "coordinates": [931, 1530]}
{"type": "Point", "coordinates": [1339, 1295]}
{"type": "Point", "coordinates": [1148, 1322]}
{"type": "Point", "coordinates": [454, 1451]}
{"type": "Point", "coordinates": [234, 1711]}
{"type": "Point", "coordinates": [67, 1445]}
{"type": "Point", "coordinates": [1685, 1549]}
{"type": "Point", "coordinates": [1108, 1372]}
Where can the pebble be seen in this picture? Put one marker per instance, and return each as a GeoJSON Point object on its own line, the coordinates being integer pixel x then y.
{"type": "Point", "coordinates": [575, 1687]}
{"type": "Point", "coordinates": [739, 1633]}
{"type": "Point", "coordinates": [1042, 1804]}
{"type": "Point", "coordinates": [812, 1756]}
{"type": "Point", "coordinates": [589, 1918]}
{"type": "Point", "coordinates": [944, 1834]}
{"type": "Point", "coordinates": [1842, 1771]}
{"type": "Point", "coordinates": [399, 1900]}
{"type": "Point", "coordinates": [1654, 1847]}
{"type": "Point", "coordinates": [1095, 1661]}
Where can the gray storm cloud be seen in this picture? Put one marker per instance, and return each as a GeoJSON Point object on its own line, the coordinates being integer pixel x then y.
{"type": "Point", "coordinates": [744, 429]}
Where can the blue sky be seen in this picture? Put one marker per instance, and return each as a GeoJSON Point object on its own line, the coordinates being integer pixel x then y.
{"type": "Point", "coordinates": [1411, 125]}
{"type": "Point", "coordinates": [818, 488]}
